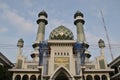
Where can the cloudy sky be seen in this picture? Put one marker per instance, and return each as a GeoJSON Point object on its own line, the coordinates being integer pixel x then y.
{"type": "Point", "coordinates": [18, 20]}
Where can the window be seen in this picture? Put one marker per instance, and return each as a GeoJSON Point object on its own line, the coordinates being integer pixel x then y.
{"type": "Point", "coordinates": [89, 77]}
{"type": "Point", "coordinates": [18, 77]}
{"type": "Point", "coordinates": [33, 77]}
{"type": "Point", "coordinates": [25, 77]}
{"type": "Point", "coordinates": [104, 77]}
{"type": "Point", "coordinates": [96, 77]}
{"type": "Point", "coordinates": [68, 54]}
{"type": "Point", "coordinates": [55, 53]}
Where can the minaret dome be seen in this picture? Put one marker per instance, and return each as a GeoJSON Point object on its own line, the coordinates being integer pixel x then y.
{"type": "Point", "coordinates": [78, 13]}
{"type": "Point", "coordinates": [20, 43]}
{"type": "Point", "coordinates": [42, 17]}
{"type": "Point", "coordinates": [78, 16]}
{"type": "Point", "coordinates": [43, 13]}
{"type": "Point", "coordinates": [101, 43]}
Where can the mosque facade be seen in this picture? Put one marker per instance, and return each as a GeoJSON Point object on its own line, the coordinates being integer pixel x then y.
{"type": "Point", "coordinates": [61, 57]}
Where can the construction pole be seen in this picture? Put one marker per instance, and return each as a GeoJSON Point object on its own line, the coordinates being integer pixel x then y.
{"type": "Point", "coordinates": [107, 35]}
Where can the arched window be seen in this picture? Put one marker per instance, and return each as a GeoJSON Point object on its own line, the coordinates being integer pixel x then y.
{"type": "Point", "coordinates": [89, 77]}
{"type": "Point", "coordinates": [96, 77]}
{"type": "Point", "coordinates": [17, 77]}
{"type": "Point", "coordinates": [25, 77]}
{"type": "Point", "coordinates": [33, 77]}
{"type": "Point", "coordinates": [39, 77]}
{"type": "Point", "coordinates": [104, 77]}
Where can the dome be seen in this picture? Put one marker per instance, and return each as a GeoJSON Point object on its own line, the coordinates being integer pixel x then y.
{"type": "Point", "coordinates": [78, 13]}
{"type": "Point", "coordinates": [101, 43]}
{"type": "Point", "coordinates": [61, 33]}
{"type": "Point", "coordinates": [43, 13]}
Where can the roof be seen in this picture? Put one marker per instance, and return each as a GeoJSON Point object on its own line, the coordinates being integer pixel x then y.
{"type": "Point", "coordinates": [115, 62]}
{"type": "Point", "coordinates": [4, 60]}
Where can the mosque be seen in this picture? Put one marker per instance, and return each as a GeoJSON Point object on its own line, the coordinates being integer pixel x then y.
{"type": "Point", "coordinates": [61, 57]}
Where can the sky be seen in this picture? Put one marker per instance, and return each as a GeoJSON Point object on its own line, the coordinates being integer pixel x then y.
{"type": "Point", "coordinates": [18, 20]}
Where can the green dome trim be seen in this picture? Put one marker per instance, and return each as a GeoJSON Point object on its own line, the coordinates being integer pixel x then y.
{"type": "Point", "coordinates": [61, 33]}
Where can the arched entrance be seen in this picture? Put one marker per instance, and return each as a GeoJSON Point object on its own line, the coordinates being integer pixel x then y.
{"type": "Point", "coordinates": [61, 74]}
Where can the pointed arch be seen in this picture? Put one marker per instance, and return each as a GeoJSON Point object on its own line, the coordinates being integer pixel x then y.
{"type": "Point", "coordinates": [61, 73]}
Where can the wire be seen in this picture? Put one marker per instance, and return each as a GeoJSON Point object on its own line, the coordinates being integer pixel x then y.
{"type": "Point", "coordinates": [107, 35]}
{"type": "Point", "coordinates": [29, 47]}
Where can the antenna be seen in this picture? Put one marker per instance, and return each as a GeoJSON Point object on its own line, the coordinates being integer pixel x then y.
{"type": "Point", "coordinates": [107, 35]}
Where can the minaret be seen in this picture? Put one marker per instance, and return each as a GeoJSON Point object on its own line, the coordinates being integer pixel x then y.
{"type": "Point", "coordinates": [101, 46]}
{"type": "Point", "coordinates": [20, 44]}
{"type": "Point", "coordinates": [101, 59]}
{"type": "Point", "coordinates": [20, 58]}
{"type": "Point", "coordinates": [79, 22]}
{"type": "Point", "coordinates": [42, 21]}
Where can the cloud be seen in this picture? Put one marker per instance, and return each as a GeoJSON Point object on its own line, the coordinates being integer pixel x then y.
{"type": "Point", "coordinates": [3, 29]}
{"type": "Point", "coordinates": [3, 6]}
{"type": "Point", "coordinates": [27, 3]}
{"type": "Point", "coordinates": [19, 22]}
{"type": "Point", "coordinates": [92, 38]}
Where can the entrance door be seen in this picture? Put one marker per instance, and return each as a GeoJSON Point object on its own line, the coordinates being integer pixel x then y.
{"type": "Point", "coordinates": [61, 76]}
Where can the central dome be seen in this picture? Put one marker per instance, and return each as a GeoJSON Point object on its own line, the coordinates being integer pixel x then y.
{"type": "Point", "coordinates": [61, 33]}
